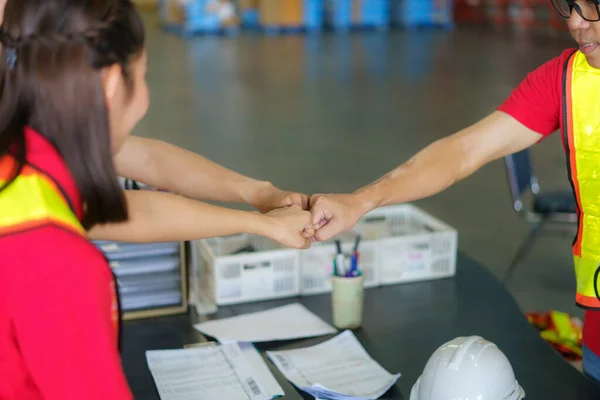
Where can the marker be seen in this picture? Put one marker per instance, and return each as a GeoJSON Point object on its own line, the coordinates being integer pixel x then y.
{"type": "Point", "coordinates": [341, 268]}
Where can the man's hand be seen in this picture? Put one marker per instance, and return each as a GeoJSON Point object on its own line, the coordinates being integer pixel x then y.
{"type": "Point", "coordinates": [333, 214]}
{"type": "Point", "coordinates": [269, 197]}
{"type": "Point", "coordinates": [290, 226]}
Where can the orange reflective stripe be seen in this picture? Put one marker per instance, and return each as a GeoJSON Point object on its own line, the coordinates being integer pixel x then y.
{"type": "Point", "coordinates": [569, 141]}
{"type": "Point", "coordinates": [33, 200]}
{"type": "Point", "coordinates": [8, 165]}
{"type": "Point", "coordinates": [586, 301]}
{"type": "Point", "coordinates": [5, 230]}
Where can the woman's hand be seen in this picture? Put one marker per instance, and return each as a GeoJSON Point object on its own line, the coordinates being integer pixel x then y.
{"type": "Point", "coordinates": [289, 226]}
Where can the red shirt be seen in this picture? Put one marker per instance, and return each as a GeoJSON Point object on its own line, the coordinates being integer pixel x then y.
{"type": "Point", "coordinates": [536, 103]}
{"type": "Point", "coordinates": [58, 339]}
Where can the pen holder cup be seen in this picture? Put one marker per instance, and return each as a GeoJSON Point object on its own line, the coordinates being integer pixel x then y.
{"type": "Point", "coordinates": [347, 301]}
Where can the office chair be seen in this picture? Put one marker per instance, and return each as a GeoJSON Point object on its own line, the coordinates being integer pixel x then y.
{"type": "Point", "coordinates": [556, 207]}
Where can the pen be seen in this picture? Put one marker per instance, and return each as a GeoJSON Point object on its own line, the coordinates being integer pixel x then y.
{"type": "Point", "coordinates": [353, 266]}
{"type": "Point", "coordinates": [356, 244]}
{"type": "Point", "coordinates": [340, 270]}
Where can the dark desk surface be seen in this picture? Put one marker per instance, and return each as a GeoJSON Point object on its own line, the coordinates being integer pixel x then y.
{"type": "Point", "coordinates": [402, 327]}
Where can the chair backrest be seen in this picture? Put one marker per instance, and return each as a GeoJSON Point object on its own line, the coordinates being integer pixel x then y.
{"type": "Point", "coordinates": [520, 176]}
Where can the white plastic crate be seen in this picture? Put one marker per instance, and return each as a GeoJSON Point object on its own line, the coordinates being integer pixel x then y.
{"type": "Point", "coordinates": [413, 245]}
{"type": "Point", "coordinates": [399, 244]}
{"type": "Point", "coordinates": [223, 278]}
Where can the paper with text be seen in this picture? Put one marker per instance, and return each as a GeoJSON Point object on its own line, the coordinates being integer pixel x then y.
{"type": "Point", "coordinates": [338, 368]}
{"type": "Point", "coordinates": [293, 321]}
{"type": "Point", "coordinates": [205, 373]}
{"type": "Point", "coordinates": [261, 370]}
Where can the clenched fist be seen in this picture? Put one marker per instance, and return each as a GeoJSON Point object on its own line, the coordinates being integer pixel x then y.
{"type": "Point", "coordinates": [290, 226]}
{"type": "Point", "coordinates": [333, 214]}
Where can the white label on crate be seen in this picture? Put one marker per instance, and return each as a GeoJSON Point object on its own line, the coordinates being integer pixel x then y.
{"type": "Point", "coordinates": [414, 262]}
{"type": "Point", "coordinates": [417, 259]}
{"type": "Point", "coordinates": [258, 278]}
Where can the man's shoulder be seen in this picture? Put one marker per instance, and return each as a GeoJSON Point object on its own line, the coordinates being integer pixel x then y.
{"type": "Point", "coordinates": [549, 74]}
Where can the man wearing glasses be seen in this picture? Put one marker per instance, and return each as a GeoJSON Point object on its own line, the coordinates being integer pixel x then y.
{"type": "Point", "coordinates": [564, 94]}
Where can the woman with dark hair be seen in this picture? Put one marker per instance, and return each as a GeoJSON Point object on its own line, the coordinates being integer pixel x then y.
{"type": "Point", "coordinates": [161, 217]}
{"type": "Point", "coordinates": [72, 82]}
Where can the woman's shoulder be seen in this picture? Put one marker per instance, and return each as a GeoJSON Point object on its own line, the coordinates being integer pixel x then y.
{"type": "Point", "coordinates": [50, 250]}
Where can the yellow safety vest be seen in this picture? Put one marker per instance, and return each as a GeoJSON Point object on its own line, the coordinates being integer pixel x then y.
{"type": "Point", "coordinates": [32, 200]}
{"type": "Point", "coordinates": [581, 129]}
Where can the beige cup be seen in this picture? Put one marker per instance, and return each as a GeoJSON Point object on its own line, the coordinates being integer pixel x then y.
{"type": "Point", "coordinates": [347, 301]}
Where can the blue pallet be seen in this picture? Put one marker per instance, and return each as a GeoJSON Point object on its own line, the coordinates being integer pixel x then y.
{"type": "Point", "coordinates": [250, 19]}
{"type": "Point", "coordinates": [313, 21]}
{"type": "Point", "coordinates": [422, 13]}
{"type": "Point", "coordinates": [196, 21]}
{"type": "Point", "coordinates": [314, 14]}
{"type": "Point", "coordinates": [374, 14]}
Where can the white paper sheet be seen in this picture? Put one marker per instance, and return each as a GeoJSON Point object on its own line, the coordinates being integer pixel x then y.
{"type": "Point", "coordinates": [205, 373]}
{"type": "Point", "coordinates": [339, 368]}
{"type": "Point", "coordinates": [292, 321]}
{"type": "Point", "coordinates": [261, 370]}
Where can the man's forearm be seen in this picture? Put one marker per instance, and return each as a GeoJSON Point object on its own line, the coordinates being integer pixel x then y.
{"type": "Point", "coordinates": [165, 217]}
{"type": "Point", "coordinates": [429, 172]}
{"type": "Point", "coordinates": [448, 160]}
{"type": "Point", "coordinates": [168, 167]}
{"type": "Point", "coordinates": [432, 170]}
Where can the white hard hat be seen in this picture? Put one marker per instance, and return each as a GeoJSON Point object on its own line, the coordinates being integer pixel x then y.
{"type": "Point", "coordinates": [467, 368]}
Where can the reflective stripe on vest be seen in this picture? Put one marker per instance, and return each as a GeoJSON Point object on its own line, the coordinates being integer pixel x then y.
{"type": "Point", "coordinates": [32, 200]}
{"type": "Point", "coordinates": [581, 130]}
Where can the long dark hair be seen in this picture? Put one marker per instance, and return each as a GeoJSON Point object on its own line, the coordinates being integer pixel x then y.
{"type": "Point", "coordinates": [50, 62]}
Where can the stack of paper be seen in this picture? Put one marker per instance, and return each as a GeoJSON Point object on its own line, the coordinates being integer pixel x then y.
{"type": "Point", "coordinates": [339, 368]}
{"type": "Point", "coordinates": [293, 321]}
{"type": "Point", "coordinates": [227, 371]}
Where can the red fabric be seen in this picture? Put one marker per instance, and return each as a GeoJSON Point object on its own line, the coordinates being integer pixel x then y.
{"type": "Point", "coordinates": [537, 104]}
{"type": "Point", "coordinates": [41, 154]}
{"type": "Point", "coordinates": [536, 101]}
{"type": "Point", "coordinates": [57, 302]}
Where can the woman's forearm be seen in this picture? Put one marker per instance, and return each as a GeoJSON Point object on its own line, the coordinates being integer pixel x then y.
{"type": "Point", "coordinates": [168, 167]}
{"type": "Point", "coordinates": [164, 217]}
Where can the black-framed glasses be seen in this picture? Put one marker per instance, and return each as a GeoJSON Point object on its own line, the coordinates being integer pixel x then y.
{"type": "Point", "coordinates": [587, 9]}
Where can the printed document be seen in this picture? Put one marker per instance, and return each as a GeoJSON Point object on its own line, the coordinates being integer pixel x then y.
{"type": "Point", "coordinates": [338, 368]}
{"type": "Point", "coordinates": [205, 373]}
{"type": "Point", "coordinates": [261, 370]}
